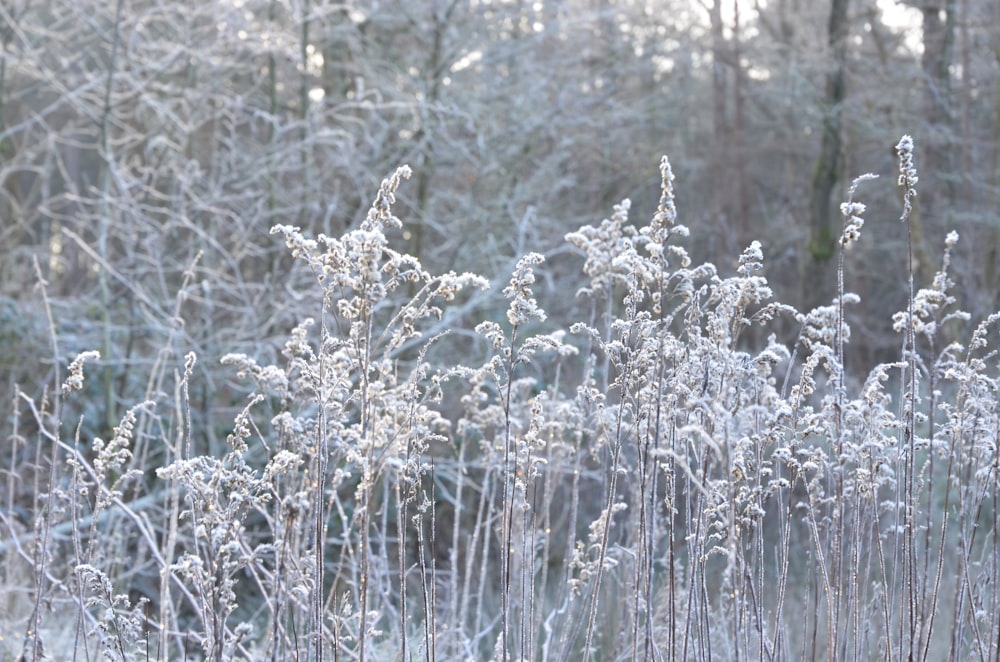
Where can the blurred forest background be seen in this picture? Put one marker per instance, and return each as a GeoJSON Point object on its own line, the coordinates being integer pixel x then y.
{"type": "Point", "coordinates": [148, 146]}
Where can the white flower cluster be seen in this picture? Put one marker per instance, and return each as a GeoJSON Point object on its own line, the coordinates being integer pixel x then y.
{"type": "Point", "coordinates": [523, 306]}
{"type": "Point", "coordinates": [907, 174]}
{"type": "Point", "coordinates": [929, 303]}
{"type": "Point", "coordinates": [599, 245]}
{"type": "Point", "coordinates": [74, 381]}
{"type": "Point", "coordinates": [852, 212]}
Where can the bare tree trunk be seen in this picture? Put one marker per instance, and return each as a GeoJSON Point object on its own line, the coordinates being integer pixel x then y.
{"type": "Point", "coordinates": [937, 188]}
{"type": "Point", "coordinates": [742, 220]}
{"type": "Point", "coordinates": [937, 185]}
{"type": "Point", "coordinates": [938, 38]}
{"type": "Point", "coordinates": [817, 281]}
{"type": "Point", "coordinates": [720, 128]}
{"type": "Point", "coordinates": [991, 270]}
{"type": "Point", "coordinates": [436, 69]}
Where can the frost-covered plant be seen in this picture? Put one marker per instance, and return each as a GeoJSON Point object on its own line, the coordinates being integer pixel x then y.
{"type": "Point", "coordinates": [674, 478]}
{"type": "Point", "coordinates": [523, 448]}
{"type": "Point", "coordinates": [682, 388]}
{"type": "Point", "coordinates": [219, 493]}
{"type": "Point", "coordinates": [121, 628]}
{"type": "Point", "coordinates": [357, 406]}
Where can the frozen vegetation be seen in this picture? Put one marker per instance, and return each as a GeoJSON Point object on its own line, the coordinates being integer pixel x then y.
{"type": "Point", "coordinates": [689, 473]}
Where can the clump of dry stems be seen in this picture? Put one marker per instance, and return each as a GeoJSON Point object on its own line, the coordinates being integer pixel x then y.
{"type": "Point", "coordinates": [651, 482]}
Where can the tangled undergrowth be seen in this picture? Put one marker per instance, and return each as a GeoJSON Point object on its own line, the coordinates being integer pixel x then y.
{"type": "Point", "coordinates": [655, 482]}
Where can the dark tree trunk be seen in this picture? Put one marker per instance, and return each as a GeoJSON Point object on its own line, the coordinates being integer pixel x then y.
{"type": "Point", "coordinates": [937, 185]}
{"type": "Point", "coordinates": [720, 134]}
{"type": "Point", "coordinates": [818, 281]}
{"type": "Point", "coordinates": [730, 203]}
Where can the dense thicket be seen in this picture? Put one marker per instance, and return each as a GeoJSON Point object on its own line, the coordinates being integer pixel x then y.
{"type": "Point", "coordinates": [148, 148]}
{"type": "Point", "coordinates": [137, 136]}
